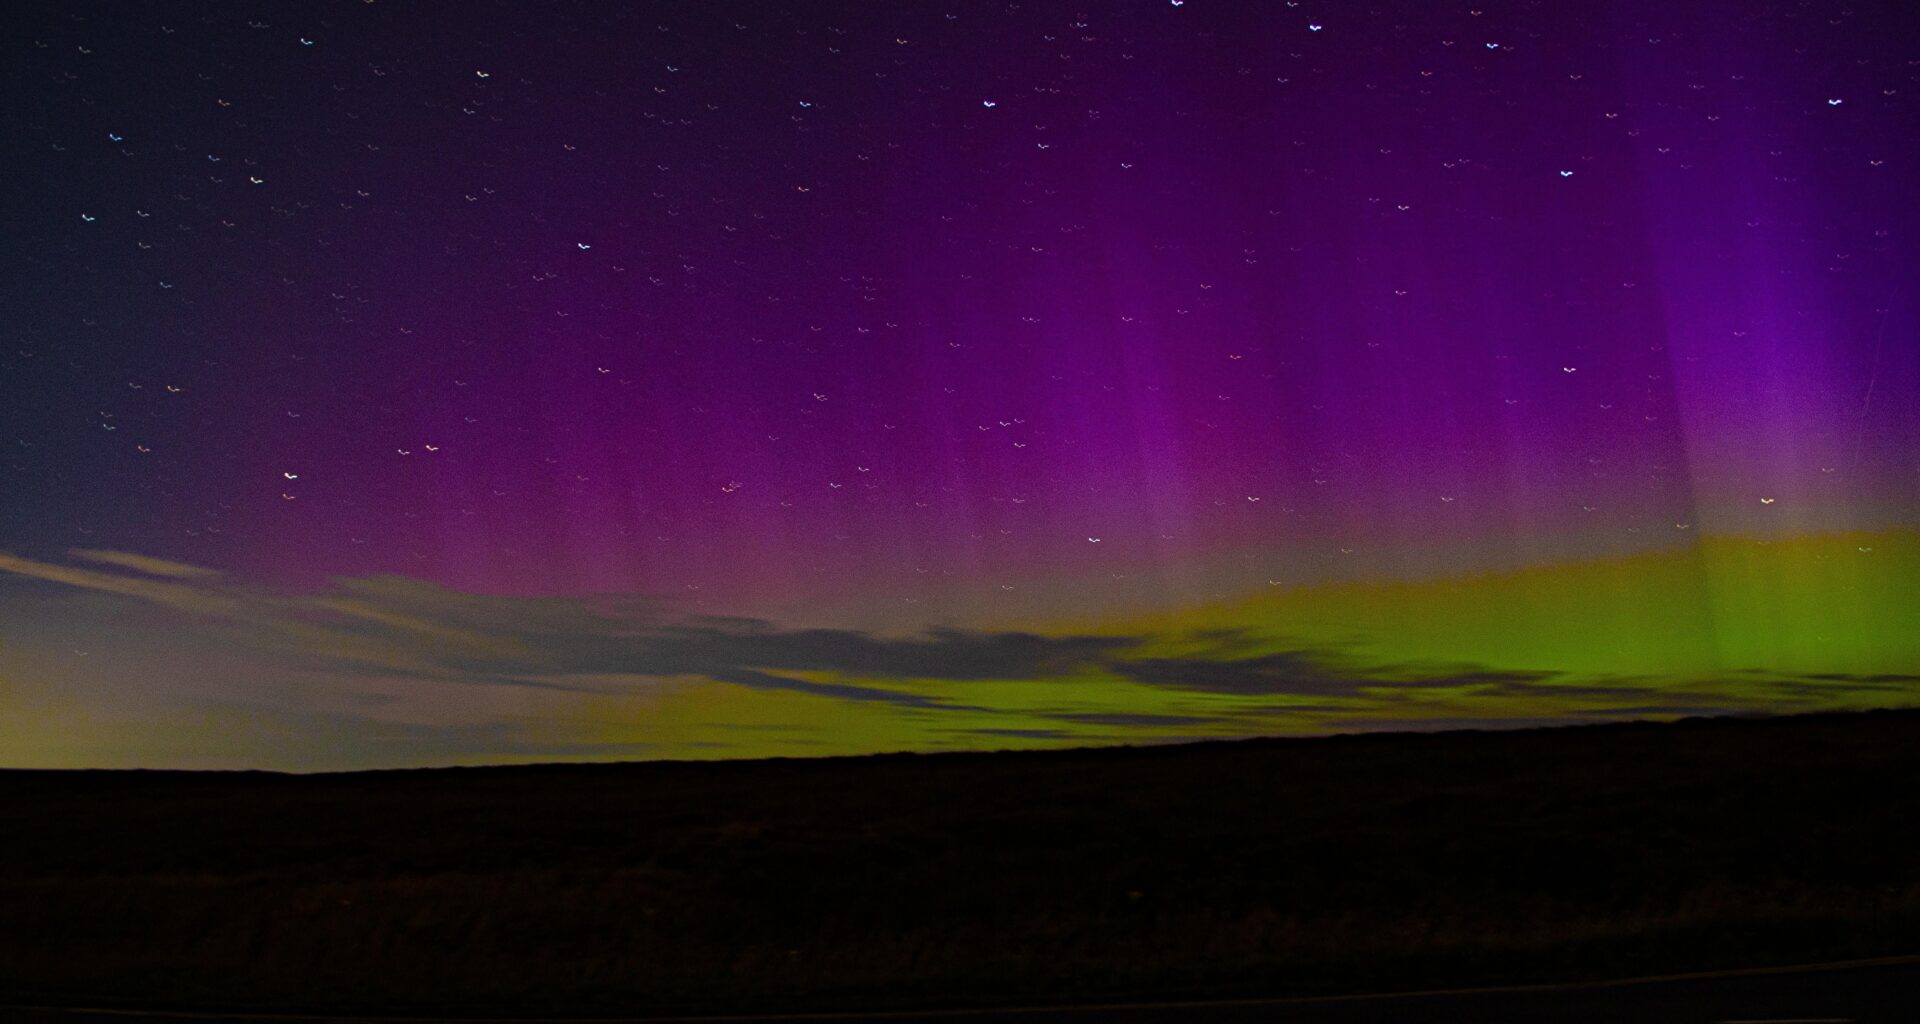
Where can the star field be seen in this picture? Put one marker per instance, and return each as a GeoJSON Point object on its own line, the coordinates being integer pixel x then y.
{"type": "Point", "coordinates": [964, 320]}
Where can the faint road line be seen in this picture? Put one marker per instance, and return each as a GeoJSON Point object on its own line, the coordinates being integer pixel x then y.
{"type": "Point", "coordinates": [1303, 1001]}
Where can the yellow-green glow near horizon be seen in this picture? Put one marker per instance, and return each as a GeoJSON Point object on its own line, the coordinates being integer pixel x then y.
{"type": "Point", "coordinates": [385, 672]}
{"type": "Point", "coordinates": [1837, 603]}
{"type": "Point", "coordinates": [1711, 625]}
{"type": "Point", "coordinates": [1185, 373]}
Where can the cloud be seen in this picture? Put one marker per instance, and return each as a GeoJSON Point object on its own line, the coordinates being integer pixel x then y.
{"type": "Point", "coordinates": [939, 654]}
{"type": "Point", "coordinates": [1323, 673]}
{"type": "Point", "coordinates": [1879, 681]}
{"type": "Point", "coordinates": [769, 681]}
{"type": "Point", "coordinates": [385, 647]}
{"type": "Point", "coordinates": [407, 627]}
{"type": "Point", "coordinates": [142, 563]}
{"type": "Point", "coordinates": [1448, 723]}
{"type": "Point", "coordinates": [1133, 718]}
{"type": "Point", "coordinates": [1659, 709]}
{"type": "Point", "coordinates": [1283, 672]}
{"type": "Point", "coordinates": [184, 597]}
{"type": "Point", "coordinates": [1827, 687]}
{"type": "Point", "coordinates": [1030, 734]}
{"type": "Point", "coordinates": [404, 627]}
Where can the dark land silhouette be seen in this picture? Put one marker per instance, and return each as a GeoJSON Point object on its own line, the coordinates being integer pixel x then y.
{"type": "Point", "coordinates": [1252, 868]}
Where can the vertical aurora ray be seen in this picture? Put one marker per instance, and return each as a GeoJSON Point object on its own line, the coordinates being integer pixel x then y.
{"type": "Point", "coordinates": [1521, 364]}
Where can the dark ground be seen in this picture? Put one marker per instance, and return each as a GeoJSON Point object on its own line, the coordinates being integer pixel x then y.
{"type": "Point", "coordinates": [1217, 870]}
{"type": "Point", "coordinates": [1866, 993]}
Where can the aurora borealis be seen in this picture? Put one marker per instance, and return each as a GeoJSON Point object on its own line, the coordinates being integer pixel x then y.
{"type": "Point", "coordinates": [391, 384]}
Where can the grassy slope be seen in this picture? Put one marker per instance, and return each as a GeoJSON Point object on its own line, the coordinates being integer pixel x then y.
{"type": "Point", "coordinates": [1268, 866]}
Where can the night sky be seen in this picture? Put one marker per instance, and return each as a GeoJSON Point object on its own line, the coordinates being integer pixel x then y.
{"type": "Point", "coordinates": [396, 383]}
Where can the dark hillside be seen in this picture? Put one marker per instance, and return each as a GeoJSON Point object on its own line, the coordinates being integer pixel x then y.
{"type": "Point", "coordinates": [1253, 867]}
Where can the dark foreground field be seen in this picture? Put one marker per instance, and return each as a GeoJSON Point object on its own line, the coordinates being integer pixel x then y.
{"type": "Point", "coordinates": [1268, 867]}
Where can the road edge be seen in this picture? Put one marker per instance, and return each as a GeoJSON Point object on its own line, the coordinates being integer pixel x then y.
{"type": "Point", "coordinates": [1195, 1004]}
